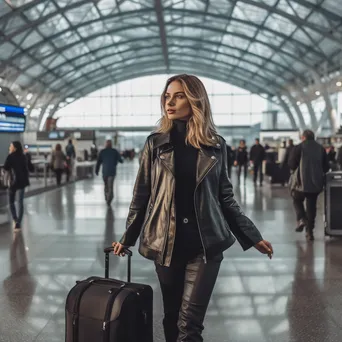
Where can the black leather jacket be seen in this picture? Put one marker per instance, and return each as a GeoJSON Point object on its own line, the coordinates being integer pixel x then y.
{"type": "Point", "coordinates": [152, 213]}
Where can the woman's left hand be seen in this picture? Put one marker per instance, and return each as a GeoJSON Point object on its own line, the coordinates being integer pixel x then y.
{"type": "Point", "coordinates": [265, 247]}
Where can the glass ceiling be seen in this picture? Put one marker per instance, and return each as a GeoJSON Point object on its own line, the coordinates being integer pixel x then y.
{"type": "Point", "coordinates": [56, 49]}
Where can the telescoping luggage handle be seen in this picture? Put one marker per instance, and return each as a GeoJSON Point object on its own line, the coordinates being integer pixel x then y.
{"type": "Point", "coordinates": [128, 252]}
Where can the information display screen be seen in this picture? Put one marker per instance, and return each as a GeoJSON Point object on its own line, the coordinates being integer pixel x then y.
{"type": "Point", "coordinates": [12, 119]}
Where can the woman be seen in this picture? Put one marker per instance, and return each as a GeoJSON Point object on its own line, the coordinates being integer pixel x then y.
{"type": "Point", "coordinates": [58, 161]}
{"type": "Point", "coordinates": [17, 162]}
{"type": "Point", "coordinates": [183, 200]}
{"type": "Point", "coordinates": [242, 159]}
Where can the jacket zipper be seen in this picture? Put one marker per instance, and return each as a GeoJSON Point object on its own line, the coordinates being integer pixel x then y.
{"type": "Point", "coordinates": [198, 225]}
{"type": "Point", "coordinates": [108, 313]}
{"type": "Point", "coordinates": [77, 310]}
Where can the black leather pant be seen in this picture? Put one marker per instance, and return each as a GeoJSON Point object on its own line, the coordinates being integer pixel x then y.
{"type": "Point", "coordinates": [186, 288]}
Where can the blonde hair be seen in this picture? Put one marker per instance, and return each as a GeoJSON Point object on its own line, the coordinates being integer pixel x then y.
{"type": "Point", "coordinates": [201, 127]}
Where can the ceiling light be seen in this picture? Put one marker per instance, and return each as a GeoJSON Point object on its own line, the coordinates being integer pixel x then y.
{"type": "Point", "coordinates": [339, 84]}
{"type": "Point", "coordinates": [28, 106]}
{"type": "Point", "coordinates": [317, 93]}
{"type": "Point", "coordinates": [298, 103]}
{"type": "Point", "coordinates": [29, 97]}
{"type": "Point", "coordinates": [17, 97]}
{"type": "Point", "coordinates": [0, 89]}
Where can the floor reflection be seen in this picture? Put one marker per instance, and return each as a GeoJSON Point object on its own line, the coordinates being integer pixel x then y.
{"type": "Point", "coordinates": [295, 297]}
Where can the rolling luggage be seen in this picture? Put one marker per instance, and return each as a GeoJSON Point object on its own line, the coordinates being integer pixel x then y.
{"type": "Point", "coordinates": [108, 310]}
{"type": "Point", "coordinates": [332, 203]}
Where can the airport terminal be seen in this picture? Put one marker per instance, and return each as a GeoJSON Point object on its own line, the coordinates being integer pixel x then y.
{"type": "Point", "coordinates": [202, 136]}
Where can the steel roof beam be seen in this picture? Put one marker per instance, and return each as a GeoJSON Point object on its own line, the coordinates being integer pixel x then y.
{"type": "Point", "coordinates": [84, 65]}
{"type": "Point", "coordinates": [206, 42]}
{"type": "Point", "coordinates": [271, 46]}
{"type": "Point", "coordinates": [244, 71]}
{"type": "Point", "coordinates": [162, 32]}
{"type": "Point", "coordinates": [179, 11]}
{"type": "Point", "coordinates": [296, 20]}
{"type": "Point", "coordinates": [246, 82]}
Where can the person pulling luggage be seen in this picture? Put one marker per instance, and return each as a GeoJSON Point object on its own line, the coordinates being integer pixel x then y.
{"type": "Point", "coordinates": [309, 163]}
{"type": "Point", "coordinates": [183, 203]}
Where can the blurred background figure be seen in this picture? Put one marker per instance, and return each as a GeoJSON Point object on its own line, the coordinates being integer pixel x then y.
{"type": "Point", "coordinates": [257, 156]}
{"type": "Point", "coordinates": [70, 159]}
{"type": "Point", "coordinates": [241, 160]}
{"type": "Point", "coordinates": [16, 163]}
{"type": "Point", "coordinates": [109, 158]}
{"type": "Point", "coordinates": [332, 158]}
{"type": "Point", "coordinates": [58, 163]}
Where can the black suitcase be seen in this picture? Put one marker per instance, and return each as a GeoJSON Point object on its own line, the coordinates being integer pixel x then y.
{"type": "Point", "coordinates": [108, 310]}
{"type": "Point", "coordinates": [332, 203]}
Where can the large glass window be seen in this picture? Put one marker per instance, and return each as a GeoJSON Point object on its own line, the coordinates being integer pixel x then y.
{"type": "Point", "coordinates": [136, 103]}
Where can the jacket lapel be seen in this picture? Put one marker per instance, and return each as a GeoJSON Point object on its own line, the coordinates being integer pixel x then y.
{"type": "Point", "coordinates": [205, 162]}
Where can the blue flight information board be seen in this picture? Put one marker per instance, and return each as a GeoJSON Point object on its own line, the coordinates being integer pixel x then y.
{"type": "Point", "coordinates": [12, 119]}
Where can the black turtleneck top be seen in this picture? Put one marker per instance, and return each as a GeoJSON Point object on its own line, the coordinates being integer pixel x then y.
{"type": "Point", "coordinates": [188, 242]}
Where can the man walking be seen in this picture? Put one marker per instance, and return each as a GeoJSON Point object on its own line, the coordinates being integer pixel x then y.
{"type": "Point", "coordinates": [70, 159]}
{"type": "Point", "coordinates": [257, 156]}
{"type": "Point", "coordinates": [109, 157]}
{"type": "Point", "coordinates": [309, 163]}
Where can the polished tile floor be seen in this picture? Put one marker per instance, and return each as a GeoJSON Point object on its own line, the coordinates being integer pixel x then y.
{"type": "Point", "coordinates": [296, 296]}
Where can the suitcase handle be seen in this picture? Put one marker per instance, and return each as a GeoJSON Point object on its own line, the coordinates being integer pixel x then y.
{"type": "Point", "coordinates": [129, 263]}
{"type": "Point", "coordinates": [111, 249]}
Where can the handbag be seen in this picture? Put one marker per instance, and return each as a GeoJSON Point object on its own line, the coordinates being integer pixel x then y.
{"type": "Point", "coordinates": [7, 178]}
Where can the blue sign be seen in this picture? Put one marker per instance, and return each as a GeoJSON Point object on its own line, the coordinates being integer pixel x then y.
{"type": "Point", "coordinates": [11, 109]}
{"type": "Point", "coordinates": [12, 119]}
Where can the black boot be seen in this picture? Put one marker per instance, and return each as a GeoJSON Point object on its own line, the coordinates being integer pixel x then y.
{"type": "Point", "coordinates": [300, 226]}
{"type": "Point", "coordinates": [310, 235]}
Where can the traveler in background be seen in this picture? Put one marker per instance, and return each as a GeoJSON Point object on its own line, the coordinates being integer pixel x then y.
{"type": "Point", "coordinates": [257, 156]}
{"type": "Point", "coordinates": [17, 162]}
{"type": "Point", "coordinates": [70, 159]}
{"type": "Point", "coordinates": [58, 163]}
{"type": "Point", "coordinates": [309, 163]}
{"type": "Point", "coordinates": [29, 159]}
{"type": "Point", "coordinates": [230, 160]}
{"type": "Point", "coordinates": [332, 158]}
{"type": "Point", "coordinates": [109, 158]}
{"type": "Point", "coordinates": [183, 199]}
{"type": "Point", "coordinates": [241, 160]}
{"type": "Point", "coordinates": [289, 149]}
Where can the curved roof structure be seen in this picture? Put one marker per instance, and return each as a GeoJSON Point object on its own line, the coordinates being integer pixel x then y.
{"type": "Point", "coordinates": [56, 49]}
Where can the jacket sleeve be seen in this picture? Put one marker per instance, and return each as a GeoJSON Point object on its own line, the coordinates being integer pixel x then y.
{"type": "Point", "coordinates": [98, 163]}
{"type": "Point", "coordinates": [141, 196]}
{"type": "Point", "coordinates": [294, 157]}
{"type": "Point", "coordinates": [241, 226]}
{"type": "Point", "coordinates": [251, 153]}
{"type": "Point", "coordinates": [119, 157]}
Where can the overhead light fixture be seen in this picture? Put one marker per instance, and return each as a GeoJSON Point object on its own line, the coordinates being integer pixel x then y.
{"type": "Point", "coordinates": [0, 89]}
{"type": "Point", "coordinates": [317, 93]}
{"type": "Point", "coordinates": [29, 96]}
{"type": "Point", "coordinates": [28, 106]}
{"type": "Point", "coordinates": [17, 97]}
{"type": "Point", "coordinates": [298, 103]}
{"type": "Point", "coordinates": [339, 84]}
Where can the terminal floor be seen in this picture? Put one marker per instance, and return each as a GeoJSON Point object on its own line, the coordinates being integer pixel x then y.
{"type": "Point", "coordinates": [296, 296]}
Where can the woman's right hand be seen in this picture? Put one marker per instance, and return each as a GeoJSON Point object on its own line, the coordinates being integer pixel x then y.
{"type": "Point", "coordinates": [118, 249]}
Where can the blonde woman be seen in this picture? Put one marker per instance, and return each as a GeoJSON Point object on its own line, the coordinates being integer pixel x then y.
{"type": "Point", "coordinates": [183, 208]}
